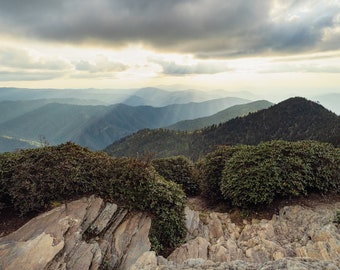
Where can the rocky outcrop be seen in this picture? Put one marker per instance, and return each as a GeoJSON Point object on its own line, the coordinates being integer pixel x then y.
{"type": "Point", "coordinates": [84, 234]}
{"type": "Point", "coordinates": [298, 237]}
{"type": "Point", "coordinates": [201, 264]}
{"type": "Point", "coordinates": [89, 233]}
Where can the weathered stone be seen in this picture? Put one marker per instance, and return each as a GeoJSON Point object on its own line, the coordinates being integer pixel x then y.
{"type": "Point", "coordinates": [104, 218]}
{"type": "Point", "coordinates": [67, 237]}
{"type": "Point", "coordinates": [215, 227]}
{"type": "Point", "coordinates": [192, 222]}
{"type": "Point", "coordinates": [89, 233]}
{"type": "Point", "coordinates": [194, 249]}
{"type": "Point", "coordinates": [296, 231]}
{"type": "Point", "coordinates": [33, 253]}
{"type": "Point", "coordinates": [132, 239]}
{"type": "Point", "coordinates": [147, 261]}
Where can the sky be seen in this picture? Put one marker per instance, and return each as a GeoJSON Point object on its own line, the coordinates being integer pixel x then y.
{"type": "Point", "coordinates": [269, 47]}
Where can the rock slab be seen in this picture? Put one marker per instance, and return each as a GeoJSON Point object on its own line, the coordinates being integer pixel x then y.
{"type": "Point", "coordinates": [84, 234]}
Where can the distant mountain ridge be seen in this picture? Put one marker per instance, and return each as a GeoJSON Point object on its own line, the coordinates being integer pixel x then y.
{"type": "Point", "coordinates": [95, 126]}
{"type": "Point", "coordinates": [293, 119]}
{"type": "Point", "coordinates": [220, 117]}
{"type": "Point", "coordinates": [149, 96]}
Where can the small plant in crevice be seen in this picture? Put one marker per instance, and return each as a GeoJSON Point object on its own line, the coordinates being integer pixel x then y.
{"type": "Point", "coordinates": [336, 218]}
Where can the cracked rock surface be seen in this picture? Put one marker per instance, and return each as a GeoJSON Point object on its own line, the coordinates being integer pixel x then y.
{"type": "Point", "coordinates": [83, 234]}
{"type": "Point", "coordinates": [297, 238]}
{"type": "Point", "coordinates": [91, 234]}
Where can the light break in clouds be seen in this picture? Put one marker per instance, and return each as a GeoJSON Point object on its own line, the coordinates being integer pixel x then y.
{"type": "Point", "coordinates": [207, 43]}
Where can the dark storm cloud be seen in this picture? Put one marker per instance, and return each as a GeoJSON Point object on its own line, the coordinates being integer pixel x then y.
{"type": "Point", "coordinates": [206, 28]}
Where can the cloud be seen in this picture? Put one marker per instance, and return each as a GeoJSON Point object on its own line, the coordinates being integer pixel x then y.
{"type": "Point", "coordinates": [205, 28]}
{"type": "Point", "coordinates": [18, 58]}
{"type": "Point", "coordinates": [175, 69]}
{"type": "Point", "coordinates": [101, 64]}
{"type": "Point", "coordinates": [303, 68]}
{"type": "Point", "coordinates": [20, 65]}
{"type": "Point", "coordinates": [7, 76]}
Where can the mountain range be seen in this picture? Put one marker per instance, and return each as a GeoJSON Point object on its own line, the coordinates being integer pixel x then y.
{"type": "Point", "coordinates": [149, 96]}
{"type": "Point", "coordinates": [98, 117]}
{"type": "Point", "coordinates": [221, 117]}
{"type": "Point", "coordinates": [293, 119]}
{"type": "Point", "coordinates": [94, 126]}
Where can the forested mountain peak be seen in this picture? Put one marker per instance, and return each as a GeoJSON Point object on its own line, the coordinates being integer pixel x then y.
{"type": "Point", "coordinates": [293, 119]}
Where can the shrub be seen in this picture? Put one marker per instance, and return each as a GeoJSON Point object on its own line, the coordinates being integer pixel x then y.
{"type": "Point", "coordinates": [323, 160]}
{"type": "Point", "coordinates": [179, 170]}
{"type": "Point", "coordinates": [35, 177]}
{"type": "Point", "coordinates": [256, 175]}
{"type": "Point", "coordinates": [139, 187]}
{"type": "Point", "coordinates": [211, 168]}
{"type": "Point", "coordinates": [336, 218]}
{"type": "Point", "coordinates": [31, 179]}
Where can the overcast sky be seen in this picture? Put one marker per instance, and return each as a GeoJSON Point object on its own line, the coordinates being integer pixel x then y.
{"type": "Point", "coordinates": [262, 46]}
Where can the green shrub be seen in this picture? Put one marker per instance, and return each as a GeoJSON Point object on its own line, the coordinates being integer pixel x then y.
{"type": "Point", "coordinates": [3, 190]}
{"type": "Point", "coordinates": [336, 218]}
{"type": "Point", "coordinates": [256, 175]}
{"type": "Point", "coordinates": [211, 168]}
{"type": "Point", "coordinates": [180, 170]}
{"type": "Point", "coordinates": [35, 177]}
{"type": "Point", "coordinates": [324, 163]}
{"type": "Point", "coordinates": [31, 180]}
{"type": "Point", "coordinates": [139, 187]}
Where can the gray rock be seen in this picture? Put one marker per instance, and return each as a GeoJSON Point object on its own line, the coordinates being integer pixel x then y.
{"type": "Point", "coordinates": [194, 249]}
{"type": "Point", "coordinates": [89, 234]}
{"type": "Point", "coordinates": [296, 232]}
{"type": "Point", "coordinates": [83, 234]}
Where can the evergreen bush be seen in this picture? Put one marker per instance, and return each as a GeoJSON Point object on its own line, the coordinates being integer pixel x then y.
{"type": "Point", "coordinates": [256, 175]}
{"type": "Point", "coordinates": [180, 170]}
{"type": "Point", "coordinates": [31, 180]}
{"type": "Point", "coordinates": [211, 168]}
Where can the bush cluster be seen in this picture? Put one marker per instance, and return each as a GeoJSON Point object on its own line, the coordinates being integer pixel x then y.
{"type": "Point", "coordinates": [211, 168]}
{"type": "Point", "coordinates": [35, 177]}
{"type": "Point", "coordinates": [140, 187]}
{"type": "Point", "coordinates": [180, 170]}
{"type": "Point", "coordinates": [30, 180]}
{"type": "Point", "coordinates": [257, 174]}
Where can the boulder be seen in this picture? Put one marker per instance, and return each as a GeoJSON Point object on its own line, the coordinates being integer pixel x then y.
{"type": "Point", "coordinates": [83, 234]}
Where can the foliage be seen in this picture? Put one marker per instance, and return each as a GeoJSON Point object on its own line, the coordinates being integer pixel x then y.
{"type": "Point", "coordinates": [336, 218]}
{"type": "Point", "coordinates": [160, 142]}
{"type": "Point", "coordinates": [139, 187]}
{"type": "Point", "coordinates": [35, 177]}
{"type": "Point", "coordinates": [294, 119]}
{"type": "Point", "coordinates": [180, 170]}
{"type": "Point", "coordinates": [32, 179]}
{"type": "Point", "coordinates": [211, 168]}
{"type": "Point", "coordinates": [256, 175]}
